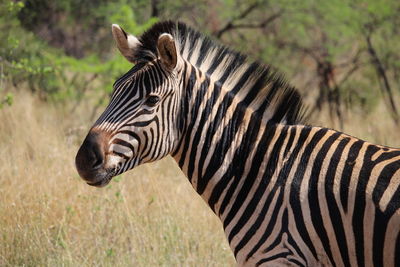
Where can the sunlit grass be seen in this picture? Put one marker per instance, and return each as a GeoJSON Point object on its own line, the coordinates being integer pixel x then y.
{"type": "Point", "coordinates": [376, 127]}
{"type": "Point", "coordinates": [150, 216]}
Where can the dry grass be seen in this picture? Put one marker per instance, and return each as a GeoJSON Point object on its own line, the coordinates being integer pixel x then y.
{"type": "Point", "coordinates": [49, 217]}
{"type": "Point", "coordinates": [149, 217]}
{"type": "Point", "coordinates": [376, 127]}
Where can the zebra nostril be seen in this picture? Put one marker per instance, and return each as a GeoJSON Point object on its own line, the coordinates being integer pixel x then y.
{"type": "Point", "coordinates": [96, 158]}
{"type": "Point", "coordinates": [97, 164]}
{"type": "Point", "coordinates": [90, 157]}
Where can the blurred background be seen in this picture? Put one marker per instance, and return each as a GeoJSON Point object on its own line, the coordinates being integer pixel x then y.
{"type": "Point", "coordinates": [57, 65]}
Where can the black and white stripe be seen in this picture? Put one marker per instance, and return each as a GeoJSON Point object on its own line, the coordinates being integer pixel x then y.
{"type": "Point", "coordinates": [287, 194]}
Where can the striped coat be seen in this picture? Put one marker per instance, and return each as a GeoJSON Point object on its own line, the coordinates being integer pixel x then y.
{"type": "Point", "coordinates": [286, 193]}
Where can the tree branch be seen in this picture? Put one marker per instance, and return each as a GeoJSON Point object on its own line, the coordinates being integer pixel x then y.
{"type": "Point", "coordinates": [232, 24]}
{"type": "Point", "coordinates": [381, 72]}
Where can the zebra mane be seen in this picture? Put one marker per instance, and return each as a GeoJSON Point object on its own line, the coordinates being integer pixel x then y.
{"type": "Point", "coordinates": [257, 86]}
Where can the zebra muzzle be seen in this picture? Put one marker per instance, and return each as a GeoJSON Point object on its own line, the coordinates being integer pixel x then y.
{"type": "Point", "coordinates": [90, 159]}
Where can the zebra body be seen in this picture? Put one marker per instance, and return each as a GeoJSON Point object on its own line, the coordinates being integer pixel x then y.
{"type": "Point", "coordinates": [286, 193]}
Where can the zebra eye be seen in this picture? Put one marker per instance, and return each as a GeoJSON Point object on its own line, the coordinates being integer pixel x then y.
{"type": "Point", "coordinates": [152, 100]}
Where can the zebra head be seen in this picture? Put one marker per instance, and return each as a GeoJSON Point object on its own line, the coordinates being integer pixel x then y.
{"type": "Point", "coordinates": [140, 124]}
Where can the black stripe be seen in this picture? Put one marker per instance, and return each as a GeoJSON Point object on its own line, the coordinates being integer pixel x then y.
{"type": "Point", "coordinates": [333, 208]}
{"type": "Point", "coordinates": [347, 173]}
{"type": "Point", "coordinates": [232, 67]}
{"type": "Point", "coordinates": [226, 138]}
{"type": "Point", "coordinates": [156, 146]}
{"type": "Point", "coordinates": [272, 223]}
{"type": "Point", "coordinates": [282, 176]}
{"type": "Point", "coordinates": [382, 218]}
{"type": "Point", "coordinates": [281, 255]}
{"type": "Point", "coordinates": [237, 166]}
{"type": "Point", "coordinates": [290, 141]}
{"type": "Point", "coordinates": [249, 210]}
{"type": "Point", "coordinates": [314, 204]}
{"type": "Point", "coordinates": [205, 113]}
{"type": "Point", "coordinates": [121, 155]}
{"type": "Point", "coordinates": [141, 123]}
{"type": "Point", "coordinates": [249, 180]}
{"type": "Point", "coordinates": [378, 243]}
{"type": "Point", "coordinates": [205, 44]}
{"type": "Point", "coordinates": [217, 60]}
{"type": "Point", "coordinates": [360, 202]}
{"type": "Point", "coordinates": [383, 180]}
{"type": "Point", "coordinates": [182, 101]}
{"type": "Point", "coordinates": [293, 243]}
{"type": "Point", "coordinates": [146, 142]}
{"type": "Point", "coordinates": [294, 198]}
{"type": "Point", "coordinates": [254, 90]}
{"type": "Point", "coordinates": [221, 148]}
{"type": "Point", "coordinates": [192, 42]}
{"type": "Point", "coordinates": [123, 143]}
{"type": "Point", "coordinates": [245, 77]}
{"type": "Point", "coordinates": [386, 155]}
{"type": "Point", "coordinates": [150, 138]}
{"type": "Point", "coordinates": [197, 110]}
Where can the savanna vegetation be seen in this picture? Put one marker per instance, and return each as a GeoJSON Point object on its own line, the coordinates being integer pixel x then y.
{"type": "Point", "coordinates": [57, 66]}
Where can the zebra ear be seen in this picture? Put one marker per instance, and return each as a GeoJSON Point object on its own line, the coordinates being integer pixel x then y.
{"type": "Point", "coordinates": [167, 50]}
{"type": "Point", "coordinates": [126, 43]}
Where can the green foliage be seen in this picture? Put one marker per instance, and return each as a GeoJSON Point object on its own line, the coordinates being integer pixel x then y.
{"type": "Point", "coordinates": [67, 51]}
{"type": "Point", "coordinates": [7, 100]}
{"type": "Point", "coordinates": [124, 15]}
{"type": "Point", "coordinates": [26, 60]}
{"type": "Point", "coordinates": [326, 43]}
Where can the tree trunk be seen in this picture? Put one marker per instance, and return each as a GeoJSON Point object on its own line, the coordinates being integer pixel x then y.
{"type": "Point", "coordinates": [381, 72]}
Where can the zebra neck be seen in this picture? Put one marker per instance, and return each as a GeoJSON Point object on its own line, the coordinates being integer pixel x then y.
{"type": "Point", "coordinates": [220, 136]}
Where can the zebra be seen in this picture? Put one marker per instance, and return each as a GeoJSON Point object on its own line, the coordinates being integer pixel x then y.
{"type": "Point", "coordinates": [287, 194]}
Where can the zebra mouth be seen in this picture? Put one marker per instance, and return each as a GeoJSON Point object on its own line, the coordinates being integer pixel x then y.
{"type": "Point", "coordinates": [105, 180]}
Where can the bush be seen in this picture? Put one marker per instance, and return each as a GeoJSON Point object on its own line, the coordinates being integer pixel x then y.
{"type": "Point", "coordinates": [56, 74]}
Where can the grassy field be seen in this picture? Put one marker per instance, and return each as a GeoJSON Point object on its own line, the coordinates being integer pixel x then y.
{"type": "Point", "coordinates": [150, 216]}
